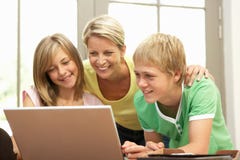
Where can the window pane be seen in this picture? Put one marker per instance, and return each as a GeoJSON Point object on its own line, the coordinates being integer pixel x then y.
{"type": "Point", "coordinates": [39, 19]}
{"type": "Point", "coordinates": [140, 22]}
{"type": "Point", "coordinates": [8, 57]}
{"type": "Point", "coordinates": [189, 26]}
{"type": "Point", "coordinates": [8, 53]}
{"type": "Point", "coordinates": [135, 1]}
{"type": "Point", "coordinates": [189, 3]}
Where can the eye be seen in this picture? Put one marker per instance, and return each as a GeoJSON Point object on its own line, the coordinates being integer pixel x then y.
{"type": "Point", "coordinates": [137, 75]}
{"type": "Point", "coordinates": [51, 69]}
{"type": "Point", "coordinates": [65, 62]}
{"type": "Point", "coordinates": [108, 53]}
{"type": "Point", "coordinates": [149, 76]}
{"type": "Point", "coordinates": [93, 53]}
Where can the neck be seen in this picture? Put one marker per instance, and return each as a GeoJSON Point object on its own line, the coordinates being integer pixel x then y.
{"type": "Point", "coordinates": [66, 98]}
{"type": "Point", "coordinates": [171, 105]}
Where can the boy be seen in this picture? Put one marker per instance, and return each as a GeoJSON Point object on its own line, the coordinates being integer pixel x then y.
{"type": "Point", "coordinates": [191, 117]}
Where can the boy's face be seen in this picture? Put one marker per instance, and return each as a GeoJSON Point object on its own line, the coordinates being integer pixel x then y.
{"type": "Point", "coordinates": [155, 84]}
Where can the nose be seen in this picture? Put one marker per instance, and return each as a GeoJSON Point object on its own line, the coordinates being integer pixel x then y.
{"type": "Point", "coordinates": [61, 70]}
{"type": "Point", "coordinates": [141, 82]}
{"type": "Point", "coordinates": [101, 59]}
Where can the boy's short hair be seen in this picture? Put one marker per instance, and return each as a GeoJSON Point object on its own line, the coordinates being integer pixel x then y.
{"type": "Point", "coordinates": [162, 50]}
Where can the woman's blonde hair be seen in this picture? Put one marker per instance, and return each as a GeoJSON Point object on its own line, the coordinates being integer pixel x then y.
{"type": "Point", "coordinates": [163, 50]}
{"type": "Point", "coordinates": [107, 27]}
{"type": "Point", "coordinates": [43, 55]}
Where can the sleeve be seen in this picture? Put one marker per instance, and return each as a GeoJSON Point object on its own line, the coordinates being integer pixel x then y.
{"type": "Point", "coordinates": [33, 94]}
{"type": "Point", "coordinates": [142, 114]}
{"type": "Point", "coordinates": [90, 99]}
{"type": "Point", "coordinates": [204, 100]}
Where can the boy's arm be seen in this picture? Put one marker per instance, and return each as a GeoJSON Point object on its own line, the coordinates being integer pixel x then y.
{"type": "Point", "coordinates": [199, 136]}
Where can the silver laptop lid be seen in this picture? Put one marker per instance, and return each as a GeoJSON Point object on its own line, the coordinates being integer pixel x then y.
{"type": "Point", "coordinates": [65, 133]}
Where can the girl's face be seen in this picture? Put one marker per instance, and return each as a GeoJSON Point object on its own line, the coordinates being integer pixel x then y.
{"type": "Point", "coordinates": [63, 71]}
{"type": "Point", "coordinates": [155, 84]}
{"type": "Point", "coordinates": [104, 56]}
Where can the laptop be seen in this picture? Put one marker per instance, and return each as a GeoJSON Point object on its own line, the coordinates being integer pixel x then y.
{"type": "Point", "coordinates": [65, 133]}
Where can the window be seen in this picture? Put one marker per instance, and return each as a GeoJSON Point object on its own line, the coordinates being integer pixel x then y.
{"type": "Point", "coordinates": [185, 19]}
{"type": "Point", "coordinates": [39, 19]}
{"type": "Point", "coordinates": [197, 23]}
{"type": "Point", "coordinates": [20, 34]}
{"type": "Point", "coordinates": [8, 52]}
{"type": "Point", "coordinates": [8, 56]}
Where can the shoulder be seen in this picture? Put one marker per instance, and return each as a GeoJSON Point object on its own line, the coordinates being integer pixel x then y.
{"type": "Point", "coordinates": [88, 70]}
{"type": "Point", "coordinates": [86, 64]}
{"type": "Point", "coordinates": [206, 86]}
{"type": "Point", "coordinates": [204, 82]}
{"type": "Point", "coordinates": [203, 98]}
{"type": "Point", "coordinates": [139, 98]}
{"type": "Point", "coordinates": [31, 91]}
{"type": "Point", "coordinates": [90, 99]}
{"type": "Point", "coordinates": [130, 65]}
{"type": "Point", "coordinates": [204, 90]}
{"type": "Point", "coordinates": [129, 62]}
{"type": "Point", "coordinates": [138, 95]}
{"type": "Point", "coordinates": [33, 95]}
{"type": "Point", "coordinates": [143, 108]}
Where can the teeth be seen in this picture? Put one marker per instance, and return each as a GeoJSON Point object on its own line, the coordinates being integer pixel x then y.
{"type": "Point", "coordinates": [146, 91]}
{"type": "Point", "coordinates": [102, 68]}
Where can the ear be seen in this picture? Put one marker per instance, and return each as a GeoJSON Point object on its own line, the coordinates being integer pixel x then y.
{"type": "Point", "coordinates": [177, 75]}
{"type": "Point", "coordinates": [123, 51]}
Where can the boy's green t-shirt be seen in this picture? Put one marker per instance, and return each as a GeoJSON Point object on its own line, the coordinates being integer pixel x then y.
{"type": "Point", "coordinates": [201, 101]}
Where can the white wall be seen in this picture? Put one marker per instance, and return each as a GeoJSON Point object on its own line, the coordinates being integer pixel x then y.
{"type": "Point", "coordinates": [87, 10]}
{"type": "Point", "coordinates": [231, 12]}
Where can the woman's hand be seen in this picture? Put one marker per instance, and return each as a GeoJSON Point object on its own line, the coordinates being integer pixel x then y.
{"type": "Point", "coordinates": [196, 72]}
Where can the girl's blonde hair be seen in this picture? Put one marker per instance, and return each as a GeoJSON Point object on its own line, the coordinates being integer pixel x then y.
{"type": "Point", "coordinates": [107, 27]}
{"type": "Point", "coordinates": [43, 55]}
{"type": "Point", "coordinates": [163, 50]}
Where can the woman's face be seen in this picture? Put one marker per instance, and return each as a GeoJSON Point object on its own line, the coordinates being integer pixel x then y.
{"type": "Point", "coordinates": [63, 71]}
{"type": "Point", "coordinates": [104, 56]}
